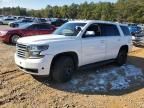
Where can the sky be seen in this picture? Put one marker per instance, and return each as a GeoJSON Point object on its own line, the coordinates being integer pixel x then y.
{"type": "Point", "coordinates": [39, 4]}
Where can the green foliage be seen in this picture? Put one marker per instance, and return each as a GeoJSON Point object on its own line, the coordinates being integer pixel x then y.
{"type": "Point", "coordinates": [122, 10]}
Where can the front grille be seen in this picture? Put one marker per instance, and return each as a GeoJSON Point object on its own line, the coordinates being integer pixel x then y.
{"type": "Point", "coordinates": [21, 50]}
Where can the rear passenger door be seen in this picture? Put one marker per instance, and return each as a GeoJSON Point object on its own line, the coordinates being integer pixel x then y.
{"type": "Point", "coordinates": [113, 40]}
{"type": "Point", "coordinates": [93, 45]}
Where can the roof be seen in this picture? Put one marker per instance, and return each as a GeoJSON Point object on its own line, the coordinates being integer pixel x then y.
{"type": "Point", "coordinates": [96, 21]}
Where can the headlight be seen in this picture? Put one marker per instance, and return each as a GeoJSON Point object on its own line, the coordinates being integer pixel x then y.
{"type": "Point", "coordinates": [38, 47]}
{"type": "Point", "coordinates": [34, 51]}
{"type": "Point", "coordinates": [2, 33]}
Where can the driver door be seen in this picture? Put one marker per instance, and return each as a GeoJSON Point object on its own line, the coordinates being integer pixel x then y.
{"type": "Point", "coordinates": [45, 29]}
{"type": "Point", "coordinates": [93, 45]}
{"type": "Point", "coordinates": [32, 30]}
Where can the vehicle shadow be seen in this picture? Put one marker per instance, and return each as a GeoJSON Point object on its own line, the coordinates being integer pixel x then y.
{"type": "Point", "coordinates": [106, 79]}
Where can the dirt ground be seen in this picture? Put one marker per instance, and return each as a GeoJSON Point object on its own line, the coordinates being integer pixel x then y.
{"type": "Point", "coordinates": [124, 86]}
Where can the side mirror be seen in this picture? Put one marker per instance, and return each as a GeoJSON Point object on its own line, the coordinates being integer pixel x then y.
{"type": "Point", "coordinates": [90, 33]}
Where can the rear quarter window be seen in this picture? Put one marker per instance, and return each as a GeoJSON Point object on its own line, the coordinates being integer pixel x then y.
{"type": "Point", "coordinates": [109, 30]}
{"type": "Point", "coordinates": [125, 30]}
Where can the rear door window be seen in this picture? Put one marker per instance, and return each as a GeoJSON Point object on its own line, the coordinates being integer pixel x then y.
{"type": "Point", "coordinates": [34, 27]}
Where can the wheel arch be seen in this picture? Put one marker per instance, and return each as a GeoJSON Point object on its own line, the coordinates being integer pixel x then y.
{"type": "Point", "coordinates": [124, 47]}
{"type": "Point", "coordinates": [14, 34]}
{"type": "Point", "coordinates": [71, 54]}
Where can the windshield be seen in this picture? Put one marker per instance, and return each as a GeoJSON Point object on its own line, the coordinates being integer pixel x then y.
{"type": "Point", "coordinates": [69, 29]}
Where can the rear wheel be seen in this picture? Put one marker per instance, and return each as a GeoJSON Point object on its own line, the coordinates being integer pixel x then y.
{"type": "Point", "coordinates": [122, 57]}
{"type": "Point", "coordinates": [16, 25]}
{"type": "Point", "coordinates": [14, 38]}
{"type": "Point", "coordinates": [11, 25]}
{"type": "Point", "coordinates": [63, 69]}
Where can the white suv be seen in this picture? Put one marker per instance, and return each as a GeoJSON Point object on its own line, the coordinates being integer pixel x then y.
{"type": "Point", "coordinates": [74, 44]}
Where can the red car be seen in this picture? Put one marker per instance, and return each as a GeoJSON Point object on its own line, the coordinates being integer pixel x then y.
{"type": "Point", "coordinates": [11, 35]}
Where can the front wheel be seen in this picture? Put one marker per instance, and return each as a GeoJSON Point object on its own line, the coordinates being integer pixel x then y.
{"type": "Point", "coordinates": [122, 57]}
{"type": "Point", "coordinates": [14, 38]}
{"type": "Point", "coordinates": [63, 69]}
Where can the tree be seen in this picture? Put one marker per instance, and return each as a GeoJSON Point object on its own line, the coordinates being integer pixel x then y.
{"type": "Point", "coordinates": [122, 10]}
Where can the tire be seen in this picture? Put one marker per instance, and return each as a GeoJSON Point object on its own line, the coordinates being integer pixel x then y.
{"type": "Point", "coordinates": [14, 38]}
{"type": "Point", "coordinates": [16, 25]}
{"type": "Point", "coordinates": [63, 69]}
{"type": "Point", "coordinates": [13, 25]}
{"type": "Point", "coordinates": [122, 57]}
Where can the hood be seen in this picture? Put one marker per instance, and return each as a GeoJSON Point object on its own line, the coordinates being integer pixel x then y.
{"type": "Point", "coordinates": [43, 39]}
